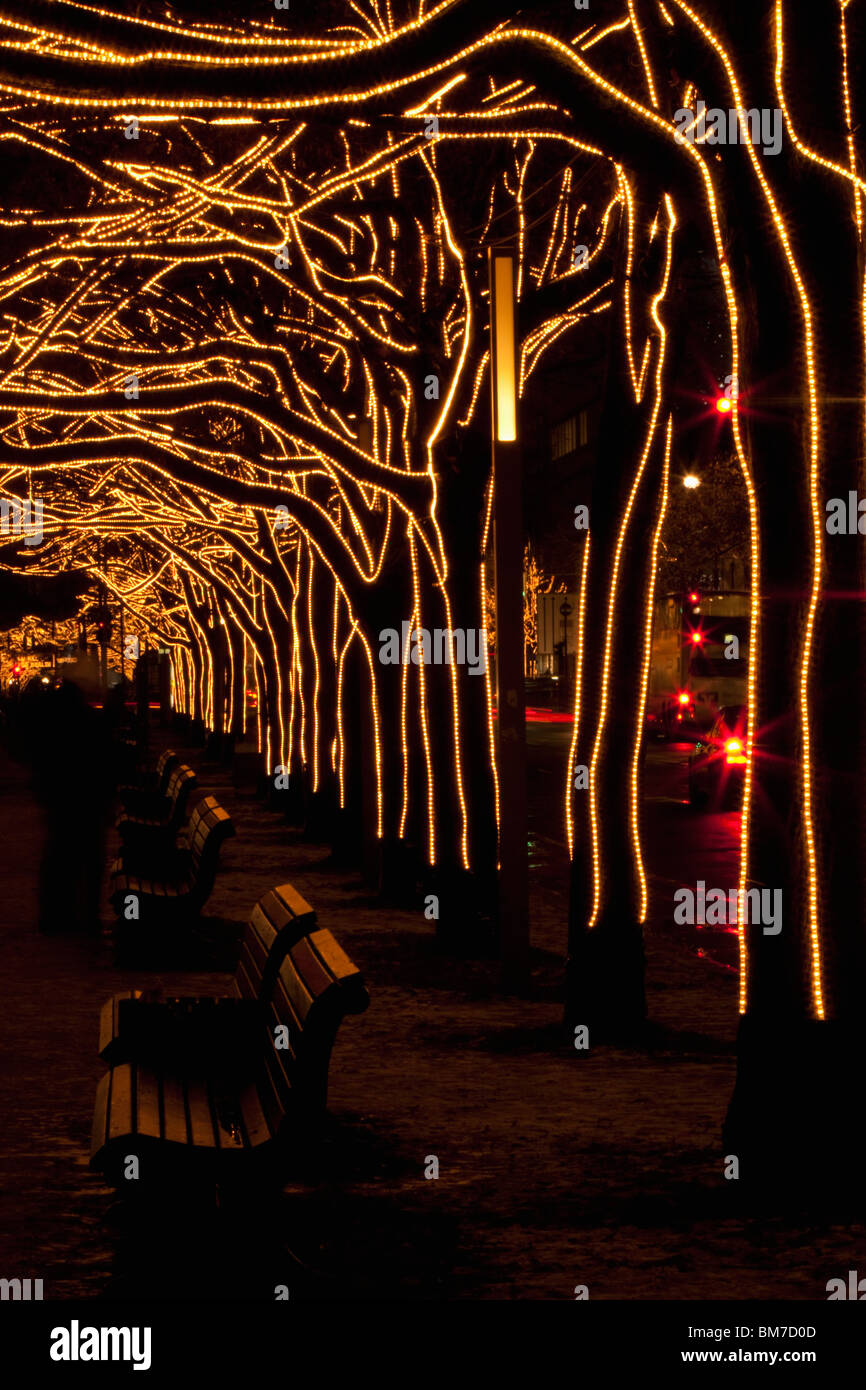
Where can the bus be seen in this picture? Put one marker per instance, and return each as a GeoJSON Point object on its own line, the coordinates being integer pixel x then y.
{"type": "Point", "coordinates": [699, 662]}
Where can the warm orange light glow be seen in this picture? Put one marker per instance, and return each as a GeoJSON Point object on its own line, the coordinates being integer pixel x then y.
{"type": "Point", "coordinates": [503, 348]}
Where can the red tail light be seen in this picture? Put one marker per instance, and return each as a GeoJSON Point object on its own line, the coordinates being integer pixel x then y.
{"type": "Point", "coordinates": [735, 751]}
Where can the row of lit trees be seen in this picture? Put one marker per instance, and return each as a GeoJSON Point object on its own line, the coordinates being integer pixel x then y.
{"type": "Point", "coordinates": [268, 402]}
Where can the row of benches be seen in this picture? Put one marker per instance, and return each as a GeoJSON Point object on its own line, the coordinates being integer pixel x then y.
{"type": "Point", "coordinates": [165, 875]}
{"type": "Point", "coordinates": [213, 1086]}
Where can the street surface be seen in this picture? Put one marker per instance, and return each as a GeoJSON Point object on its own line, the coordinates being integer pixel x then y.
{"type": "Point", "coordinates": [680, 845]}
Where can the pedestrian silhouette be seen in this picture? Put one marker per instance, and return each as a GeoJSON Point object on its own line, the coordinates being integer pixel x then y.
{"type": "Point", "coordinates": [69, 747]}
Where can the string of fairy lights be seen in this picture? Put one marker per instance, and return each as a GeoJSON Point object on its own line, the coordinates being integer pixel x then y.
{"type": "Point", "coordinates": [228, 465]}
{"type": "Point", "coordinates": [212, 358]}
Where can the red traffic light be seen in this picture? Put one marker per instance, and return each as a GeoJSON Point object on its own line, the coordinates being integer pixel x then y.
{"type": "Point", "coordinates": [694, 596]}
{"type": "Point", "coordinates": [101, 618]}
{"type": "Point", "coordinates": [684, 697]}
{"type": "Point", "coordinates": [697, 636]}
{"type": "Point", "coordinates": [723, 404]}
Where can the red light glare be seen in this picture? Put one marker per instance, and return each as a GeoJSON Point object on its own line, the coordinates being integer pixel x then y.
{"type": "Point", "coordinates": [693, 597]}
{"type": "Point", "coordinates": [683, 699]}
{"type": "Point", "coordinates": [697, 637]}
{"type": "Point", "coordinates": [735, 751]}
{"type": "Point", "coordinates": [723, 404]}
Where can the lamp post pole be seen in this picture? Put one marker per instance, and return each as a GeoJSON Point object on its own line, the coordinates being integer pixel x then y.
{"type": "Point", "coordinates": [510, 689]}
{"type": "Point", "coordinates": [103, 603]}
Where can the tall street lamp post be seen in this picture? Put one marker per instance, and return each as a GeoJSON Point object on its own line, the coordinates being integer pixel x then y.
{"type": "Point", "coordinates": [510, 691]}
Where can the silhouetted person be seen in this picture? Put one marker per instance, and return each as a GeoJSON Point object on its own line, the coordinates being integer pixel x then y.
{"type": "Point", "coordinates": [72, 756]}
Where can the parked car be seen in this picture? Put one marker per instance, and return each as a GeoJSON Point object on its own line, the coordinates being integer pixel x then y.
{"type": "Point", "coordinates": [682, 718]}
{"type": "Point", "coordinates": [718, 764]}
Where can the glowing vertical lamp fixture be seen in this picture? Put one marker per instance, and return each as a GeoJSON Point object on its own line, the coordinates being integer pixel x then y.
{"type": "Point", "coordinates": [503, 349]}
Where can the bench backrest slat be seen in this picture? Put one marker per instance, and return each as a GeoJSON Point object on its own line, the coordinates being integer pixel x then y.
{"type": "Point", "coordinates": [248, 972]}
{"type": "Point", "coordinates": [209, 825]}
{"type": "Point", "coordinates": [272, 1094]}
{"type": "Point", "coordinates": [256, 946]}
{"type": "Point", "coordinates": [307, 1006]}
{"type": "Point", "coordinates": [178, 791]}
{"type": "Point", "coordinates": [303, 983]}
{"type": "Point", "coordinates": [332, 955]}
{"type": "Point", "coordinates": [178, 778]}
{"type": "Point", "coordinates": [166, 759]}
{"type": "Point", "coordinates": [278, 920]}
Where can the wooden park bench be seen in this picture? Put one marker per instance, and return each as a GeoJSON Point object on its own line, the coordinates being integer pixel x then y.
{"type": "Point", "coordinates": [155, 835]}
{"type": "Point", "coordinates": [139, 799]}
{"type": "Point", "coordinates": [136, 1024]}
{"type": "Point", "coordinates": [239, 1118]}
{"type": "Point", "coordinates": [164, 900]}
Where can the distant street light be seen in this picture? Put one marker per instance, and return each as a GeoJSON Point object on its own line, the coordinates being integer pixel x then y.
{"type": "Point", "coordinates": [690, 480]}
